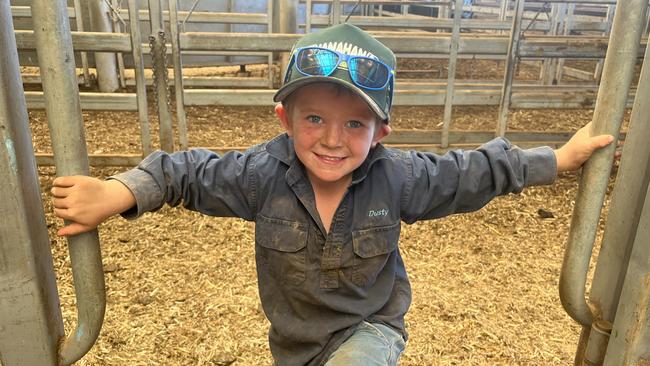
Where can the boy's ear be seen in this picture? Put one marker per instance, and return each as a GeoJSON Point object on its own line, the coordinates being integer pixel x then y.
{"type": "Point", "coordinates": [283, 115]}
{"type": "Point", "coordinates": [382, 131]}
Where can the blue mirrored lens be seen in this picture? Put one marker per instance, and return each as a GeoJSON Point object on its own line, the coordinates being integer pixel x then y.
{"type": "Point", "coordinates": [316, 61]}
{"type": "Point", "coordinates": [368, 73]}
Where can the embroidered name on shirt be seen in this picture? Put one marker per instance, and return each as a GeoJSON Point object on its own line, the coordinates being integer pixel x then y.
{"type": "Point", "coordinates": [382, 212]}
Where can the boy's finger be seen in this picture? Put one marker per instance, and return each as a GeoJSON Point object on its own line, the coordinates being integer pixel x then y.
{"type": "Point", "coordinates": [59, 192]}
{"type": "Point", "coordinates": [63, 181]}
{"type": "Point", "coordinates": [602, 140]}
{"type": "Point", "coordinates": [59, 203]}
{"type": "Point", "coordinates": [62, 213]}
{"type": "Point", "coordinates": [72, 229]}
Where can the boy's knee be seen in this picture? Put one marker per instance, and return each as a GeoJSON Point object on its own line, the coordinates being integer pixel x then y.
{"type": "Point", "coordinates": [370, 345]}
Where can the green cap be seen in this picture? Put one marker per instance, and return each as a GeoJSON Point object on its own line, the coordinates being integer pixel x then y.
{"type": "Point", "coordinates": [350, 40]}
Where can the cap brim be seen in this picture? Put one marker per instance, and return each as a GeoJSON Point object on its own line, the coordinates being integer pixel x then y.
{"type": "Point", "coordinates": [289, 88]}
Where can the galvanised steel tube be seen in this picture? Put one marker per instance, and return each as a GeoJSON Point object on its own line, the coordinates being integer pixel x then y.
{"type": "Point", "coordinates": [140, 84]}
{"type": "Point", "coordinates": [630, 339]}
{"type": "Point", "coordinates": [159, 66]}
{"type": "Point", "coordinates": [30, 315]}
{"type": "Point", "coordinates": [624, 223]}
{"type": "Point", "coordinates": [618, 70]}
{"type": "Point", "coordinates": [105, 62]}
{"type": "Point", "coordinates": [57, 67]}
{"type": "Point", "coordinates": [181, 119]}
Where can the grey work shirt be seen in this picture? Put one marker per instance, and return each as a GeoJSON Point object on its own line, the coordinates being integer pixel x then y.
{"type": "Point", "coordinates": [316, 287]}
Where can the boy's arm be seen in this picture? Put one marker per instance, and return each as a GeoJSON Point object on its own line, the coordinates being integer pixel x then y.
{"type": "Point", "coordinates": [199, 179]}
{"type": "Point", "coordinates": [86, 202]}
{"type": "Point", "coordinates": [463, 181]}
{"type": "Point", "coordinates": [579, 148]}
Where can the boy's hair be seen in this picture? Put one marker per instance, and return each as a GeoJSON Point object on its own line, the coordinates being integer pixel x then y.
{"type": "Point", "coordinates": [347, 56]}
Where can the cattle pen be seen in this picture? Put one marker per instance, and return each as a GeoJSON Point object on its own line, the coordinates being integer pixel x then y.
{"type": "Point", "coordinates": [556, 275]}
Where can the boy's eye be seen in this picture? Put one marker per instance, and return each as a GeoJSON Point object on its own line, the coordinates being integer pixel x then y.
{"type": "Point", "coordinates": [355, 124]}
{"type": "Point", "coordinates": [314, 119]}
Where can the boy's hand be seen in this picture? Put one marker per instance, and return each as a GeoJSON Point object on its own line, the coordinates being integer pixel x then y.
{"type": "Point", "coordinates": [85, 202]}
{"type": "Point", "coordinates": [579, 148]}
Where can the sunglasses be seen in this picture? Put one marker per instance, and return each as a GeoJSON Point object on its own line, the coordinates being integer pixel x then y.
{"type": "Point", "coordinates": [365, 72]}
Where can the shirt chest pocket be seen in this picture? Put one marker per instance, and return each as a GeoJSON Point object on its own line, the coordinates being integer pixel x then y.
{"type": "Point", "coordinates": [372, 250]}
{"type": "Point", "coordinates": [281, 249]}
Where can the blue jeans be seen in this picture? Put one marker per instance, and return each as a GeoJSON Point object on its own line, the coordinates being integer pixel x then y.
{"type": "Point", "coordinates": [372, 344]}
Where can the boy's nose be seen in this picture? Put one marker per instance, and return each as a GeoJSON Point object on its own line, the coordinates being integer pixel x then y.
{"type": "Point", "coordinates": [332, 136]}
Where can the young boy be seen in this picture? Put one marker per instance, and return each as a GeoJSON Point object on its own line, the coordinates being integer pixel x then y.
{"type": "Point", "coordinates": [327, 199]}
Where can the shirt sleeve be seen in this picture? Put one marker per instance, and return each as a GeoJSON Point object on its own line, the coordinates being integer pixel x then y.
{"type": "Point", "coordinates": [463, 181]}
{"type": "Point", "coordinates": [198, 179]}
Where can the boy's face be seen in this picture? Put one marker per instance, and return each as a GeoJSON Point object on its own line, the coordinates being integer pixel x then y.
{"type": "Point", "coordinates": [333, 131]}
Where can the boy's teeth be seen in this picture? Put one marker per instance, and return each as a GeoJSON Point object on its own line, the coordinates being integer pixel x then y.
{"type": "Point", "coordinates": [332, 158]}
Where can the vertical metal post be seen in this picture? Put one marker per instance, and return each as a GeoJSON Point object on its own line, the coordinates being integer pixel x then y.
{"type": "Point", "coordinates": [308, 10]}
{"type": "Point", "coordinates": [285, 13]}
{"type": "Point", "coordinates": [269, 29]}
{"type": "Point", "coordinates": [229, 27]}
{"type": "Point", "coordinates": [511, 64]}
{"type": "Point", "coordinates": [503, 10]}
{"type": "Point", "coordinates": [451, 73]}
{"type": "Point", "coordinates": [647, 24]}
{"type": "Point", "coordinates": [178, 74]}
{"type": "Point", "coordinates": [630, 340]}
{"type": "Point", "coordinates": [443, 12]}
{"type": "Point", "coordinates": [549, 65]}
{"type": "Point", "coordinates": [140, 81]}
{"type": "Point", "coordinates": [159, 64]}
{"type": "Point", "coordinates": [568, 25]}
{"type": "Point", "coordinates": [624, 215]}
{"type": "Point", "coordinates": [336, 12]}
{"type": "Point", "coordinates": [598, 72]}
{"type": "Point", "coordinates": [117, 28]}
{"type": "Point", "coordinates": [54, 49]}
{"type": "Point", "coordinates": [78, 17]}
{"type": "Point", "coordinates": [105, 62]}
{"type": "Point", "coordinates": [30, 318]}
{"type": "Point", "coordinates": [620, 60]}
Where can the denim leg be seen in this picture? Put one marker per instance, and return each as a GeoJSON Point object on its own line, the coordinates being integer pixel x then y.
{"type": "Point", "coordinates": [372, 344]}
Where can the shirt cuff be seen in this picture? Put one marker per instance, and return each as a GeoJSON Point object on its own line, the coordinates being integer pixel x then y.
{"type": "Point", "coordinates": [542, 166]}
{"type": "Point", "coordinates": [147, 193]}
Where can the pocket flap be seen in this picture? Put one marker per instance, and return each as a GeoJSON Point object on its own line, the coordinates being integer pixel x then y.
{"type": "Point", "coordinates": [376, 241]}
{"type": "Point", "coordinates": [282, 235]}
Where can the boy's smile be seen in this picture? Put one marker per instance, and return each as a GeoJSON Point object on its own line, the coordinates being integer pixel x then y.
{"type": "Point", "coordinates": [333, 131]}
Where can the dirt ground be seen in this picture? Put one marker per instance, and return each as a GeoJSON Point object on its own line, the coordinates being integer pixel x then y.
{"type": "Point", "coordinates": [181, 287]}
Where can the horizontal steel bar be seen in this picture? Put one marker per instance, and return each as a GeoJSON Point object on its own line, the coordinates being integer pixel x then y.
{"type": "Point", "coordinates": [531, 47]}
{"type": "Point", "coordinates": [81, 41]}
{"type": "Point", "coordinates": [215, 81]}
{"type": "Point", "coordinates": [524, 100]}
{"type": "Point", "coordinates": [424, 22]}
{"type": "Point", "coordinates": [196, 17]}
{"type": "Point", "coordinates": [19, 11]}
{"type": "Point", "coordinates": [90, 101]}
{"type": "Point", "coordinates": [209, 17]}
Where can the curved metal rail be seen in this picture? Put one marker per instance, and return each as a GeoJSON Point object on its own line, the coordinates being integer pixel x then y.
{"type": "Point", "coordinates": [56, 61]}
{"type": "Point", "coordinates": [608, 115]}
